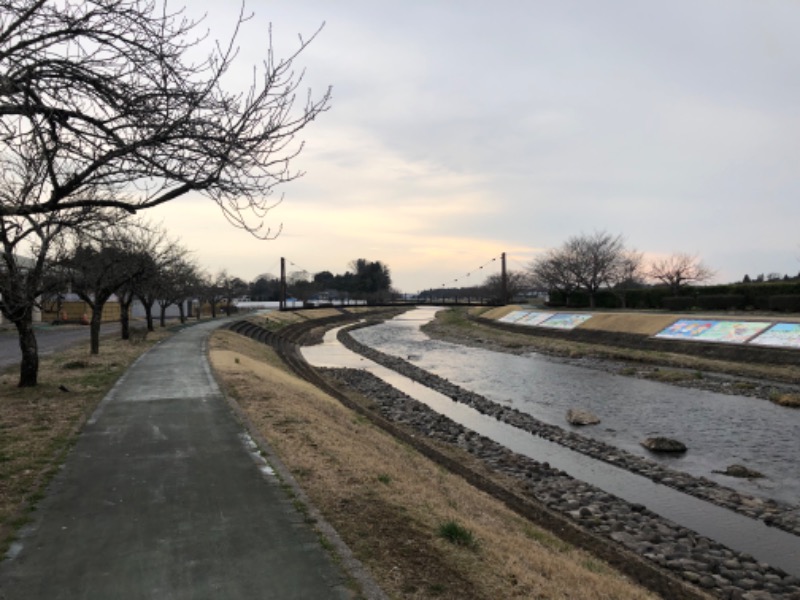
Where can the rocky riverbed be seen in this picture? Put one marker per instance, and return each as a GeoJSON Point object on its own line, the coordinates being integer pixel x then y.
{"type": "Point", "coordinates": [699, 560]}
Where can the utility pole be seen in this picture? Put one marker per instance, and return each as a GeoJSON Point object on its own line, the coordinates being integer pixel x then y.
{"type": "Point", "coordinates": [282, 295]}
{"type": "Point", "coordinates": [504, 279]}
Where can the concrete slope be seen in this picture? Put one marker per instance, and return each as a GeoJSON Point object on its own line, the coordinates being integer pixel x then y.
{"type": "Point", "coordinates": [160, 498]}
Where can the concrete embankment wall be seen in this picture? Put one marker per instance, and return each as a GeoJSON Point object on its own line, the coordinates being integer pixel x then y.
{"type": "Point", "coordinates": [636, 330]}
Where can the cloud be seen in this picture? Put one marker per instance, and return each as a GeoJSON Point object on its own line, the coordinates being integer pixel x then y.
{"type": "Point", "coordinates": [461, 130]}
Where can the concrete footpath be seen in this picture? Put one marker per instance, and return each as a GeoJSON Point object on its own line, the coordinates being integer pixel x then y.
{"type": "Point", "coordinates": [161, 498]}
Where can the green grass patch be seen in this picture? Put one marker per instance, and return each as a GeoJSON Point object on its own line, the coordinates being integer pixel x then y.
{"type": "Point", "coordinates": [457, 535]}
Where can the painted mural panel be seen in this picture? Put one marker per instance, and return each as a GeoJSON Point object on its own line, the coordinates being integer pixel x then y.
{"type": "Point", "coordinates": [534, 318]}
{"type": "Point", "coordinates": [786, 335]}
{"type": "Point", "coordinates": [565, 321]}
{"type": "Point", "coordinates": [686, 329]}
{"type": "Point", "coordinates": [733, 332]}
{"type": "Point", "coordinates": [513, 317]}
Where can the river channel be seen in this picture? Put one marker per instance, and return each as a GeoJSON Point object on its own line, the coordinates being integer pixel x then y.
{"type": "Point", "coordinates": [749, 431]}
{"type": "Point", "coordinates": [718, 429]}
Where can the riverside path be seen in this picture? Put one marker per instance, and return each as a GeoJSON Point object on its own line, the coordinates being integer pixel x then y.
{"type": "Point", "coordinates": [161, 498]}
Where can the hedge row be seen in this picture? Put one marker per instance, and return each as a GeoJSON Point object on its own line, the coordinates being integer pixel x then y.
{"type": "Point", "coordinates": [777, 296]}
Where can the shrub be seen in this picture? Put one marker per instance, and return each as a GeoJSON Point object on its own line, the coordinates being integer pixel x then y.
{"type": "Point", "coordinates": [721, 301]}
{"type": "Point", "coordinates": [785, 302]}
{"type": "Point", "coordinates": [678, 302]}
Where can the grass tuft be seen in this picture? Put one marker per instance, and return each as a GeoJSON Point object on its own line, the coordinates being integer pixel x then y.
{"type": "Point", "coordinates": [457, 535]}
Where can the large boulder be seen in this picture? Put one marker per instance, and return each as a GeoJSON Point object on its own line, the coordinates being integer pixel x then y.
{"type": "Point", "coordinates": [581, 417]}
{"type": "Point", "coordinates": [663, 444]}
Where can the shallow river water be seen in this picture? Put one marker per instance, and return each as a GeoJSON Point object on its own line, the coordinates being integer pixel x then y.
{"type": "Point", "coordinates": [482, 372]}
{"type": "Point", "coordinates": [718, 429]}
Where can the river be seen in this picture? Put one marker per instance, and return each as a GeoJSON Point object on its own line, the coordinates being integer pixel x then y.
{"type": "Point", "coordinates": [545, 388]}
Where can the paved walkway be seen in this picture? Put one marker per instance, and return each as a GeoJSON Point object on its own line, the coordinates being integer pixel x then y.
{"type": "Point", "coordinates": [161, 499]}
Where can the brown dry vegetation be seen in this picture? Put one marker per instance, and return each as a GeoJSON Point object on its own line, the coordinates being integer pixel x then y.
{"type": "Point", "coordinates": [388, 502]}
{"type": "Point", "coordinates": [788, 399]}
{"type": "Point", "coordinates": [39, 425]}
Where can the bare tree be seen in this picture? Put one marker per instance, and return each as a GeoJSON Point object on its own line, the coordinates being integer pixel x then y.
{"type": "Point", "coordinates": [552, 272]}
{"type": "Point", "coordinates": [104, 94]}
{"type": "Point", "coordinates": [630, 274]}
{"type": "Point", "coordinates": [229, 288]}
{"type": "Point", "coordinates": [516, 282]}
{"type": "Point", "coordinates": [98, 266]}
{"type": "Point", "coordinates": [102, 108]}
{"type": "Point", "coordinates": [595, 260]}
{"type": "Point", "coordinates": [180, 281]}
{"type": "Point", "coordinates": [584, 262]}
{"type": "Point", "coordinates": [153, 286]}
{"type": "Point", "coordinates": [211, 292]}
{"type": "Point", "coordinates": [31, 246]}
{"type": "Point", "coordinates": [678, 270]}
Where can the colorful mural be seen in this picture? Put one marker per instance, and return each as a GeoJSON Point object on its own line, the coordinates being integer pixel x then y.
{"type": "Point", "coordinates": [733, 332]}
{"type": "Point", "coordinates": [534, 318]}
{"type": "Point", "coordinates": [565, 321]}
{"type": "Point", "coordinates": [785, 335]}
{"type": "Point", "coordinates": [762, 333]}
{"type": "Point", "coordinates": [686, 329]}
{"type": "Point", "coordinates": [513, 317]}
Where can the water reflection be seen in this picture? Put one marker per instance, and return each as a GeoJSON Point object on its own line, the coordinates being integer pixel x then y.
{"type": "Point", "coordinates": [718, 429]}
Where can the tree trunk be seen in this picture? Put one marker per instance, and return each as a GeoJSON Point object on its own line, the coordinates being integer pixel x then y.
{"type": "Point", "coordinates": [182, 313]}
{"type": "Point", "coordinates": [148, 313]}
{"type": "Point", "coordinates": [124, 319]}
{"type": "Point", "coordinates": [29, 366]}
{"type": "Point", "coordinates": [162, 317]}
{"type": "Point", "coordinates": [94, 327]}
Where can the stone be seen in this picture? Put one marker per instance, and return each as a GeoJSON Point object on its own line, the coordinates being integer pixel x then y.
{"type": "Point", "coordinates": [663, 444]}
{"type": "Point", "coordinates": [581, 417]}
{"type": "Point", "coordinates": [741, 471]}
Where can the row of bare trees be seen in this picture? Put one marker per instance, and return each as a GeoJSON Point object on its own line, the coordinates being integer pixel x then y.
{"type": "Point", "coordinates": [590, 263]}
{"type": "Point", "coordinates": [108, 108]}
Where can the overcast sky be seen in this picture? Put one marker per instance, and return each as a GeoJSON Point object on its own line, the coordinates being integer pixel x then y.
{"type": "Point", "coordinates": [462, 129]}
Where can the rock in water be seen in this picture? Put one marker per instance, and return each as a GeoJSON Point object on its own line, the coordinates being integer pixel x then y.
{"type": "Point", "coordinates": [581, 417]}
{"type": "Point", "coordinates": [663, 444]}
{"type": "Point", "coordinates": [741, 471]}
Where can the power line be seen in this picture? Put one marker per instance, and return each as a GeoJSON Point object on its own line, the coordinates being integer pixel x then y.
{"type": "Point", "coordinates": [468, 274]}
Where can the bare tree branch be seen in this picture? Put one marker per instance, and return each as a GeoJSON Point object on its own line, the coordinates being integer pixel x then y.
{"type": "Point", "coordinates": [104, 92]}
{"type": "Point", "coordinates": [678, 270]}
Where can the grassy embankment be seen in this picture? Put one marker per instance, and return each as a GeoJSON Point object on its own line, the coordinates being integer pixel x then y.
{"type": "Point", "coordinates": [39, 425]}
{"type": "Point", "coordinates": [422, 532]}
